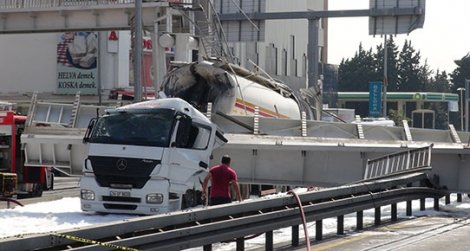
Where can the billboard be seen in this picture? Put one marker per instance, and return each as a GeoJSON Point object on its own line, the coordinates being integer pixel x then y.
{"type": "Point", "coordinates": [77, 63]}
{"type": "Point", "coordinates": [409, 16]}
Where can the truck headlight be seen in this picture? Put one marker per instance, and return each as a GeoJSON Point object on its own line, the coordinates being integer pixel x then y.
{"type": "Point", "coordinates": [86, 194]}
{"type": "Point", "coordinates": [154, 198]}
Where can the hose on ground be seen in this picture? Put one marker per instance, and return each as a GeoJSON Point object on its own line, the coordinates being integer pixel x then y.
{"type": "Point", "coordinates": [302, 215]}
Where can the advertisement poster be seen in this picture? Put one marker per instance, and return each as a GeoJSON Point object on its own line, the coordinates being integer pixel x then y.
{"type": "Point", "coordinates": [375, 99]}
{"type": "Point", "coordinates": [147, 63]}
{"type": "Point", "coordinates": [146, 74]}
{"type": "Point", "coordinates": [77, 54]}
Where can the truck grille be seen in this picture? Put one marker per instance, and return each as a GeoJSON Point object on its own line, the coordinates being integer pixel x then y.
{"type": "Point", "coordinates": [120, 206]}
{"type": "Point", "coordinates": [122, 199]}
{"type": "Point", "coordinates": [115, 170]}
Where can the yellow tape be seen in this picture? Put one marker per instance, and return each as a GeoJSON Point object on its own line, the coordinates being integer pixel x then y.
{"type": "Point", "coordinates": [83, 240]}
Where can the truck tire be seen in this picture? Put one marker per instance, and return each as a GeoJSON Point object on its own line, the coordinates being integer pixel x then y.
{"type": "Point", "coordinates": [191, 198]}
{"type": "Point", "coordinates": [37, 190]}
{"type": "Point", "coordinates": [51, 187]}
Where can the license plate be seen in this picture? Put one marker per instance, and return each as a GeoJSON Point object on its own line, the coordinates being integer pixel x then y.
{"type": "Point", "coordinates": [120, 194]}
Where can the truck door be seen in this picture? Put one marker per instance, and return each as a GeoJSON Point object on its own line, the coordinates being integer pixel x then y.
{"type": "Point", "coordinates": [190, 151]}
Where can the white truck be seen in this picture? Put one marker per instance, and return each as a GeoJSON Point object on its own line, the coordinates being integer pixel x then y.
{"type": "Point", "coordinates": [146, 158]}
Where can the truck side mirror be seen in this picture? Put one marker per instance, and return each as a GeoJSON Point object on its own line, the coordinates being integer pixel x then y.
{"type": "Point", "coordinates": [184, 130]}
{"type": "Point", "coordinates": [89, 129]}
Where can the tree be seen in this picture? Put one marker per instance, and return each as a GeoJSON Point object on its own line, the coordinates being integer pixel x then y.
{"type": "Point", "coordinates": [392, 63]}
{"type": "Point", "coordinates": [458, 77]}
{"type": "Point", "coordinates": [441, 115]}
{"type": "Point", "coordinates": [411, 76]}
{"type": "Point", "coordinates": [405, 74]}
{"type": "Point", "coordinates": [397, 117]}
{"type": "Point", "coordinates": [355, 74]}
{"type": "Point", "coordinates": [439, 83]}
{"type": "Point", "coordinates": [461, 73]}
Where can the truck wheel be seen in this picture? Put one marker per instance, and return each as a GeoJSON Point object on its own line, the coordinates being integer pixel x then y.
{"type": "Point", "coordinates": [51, 187]}
{"type": "Point", "coordinates": [191, 199]}
{"type": "Point", "coordinates": [37, 190]}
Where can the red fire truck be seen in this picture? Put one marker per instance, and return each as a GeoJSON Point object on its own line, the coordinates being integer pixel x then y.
{"type": "Point", "coordinates": [15, 178]}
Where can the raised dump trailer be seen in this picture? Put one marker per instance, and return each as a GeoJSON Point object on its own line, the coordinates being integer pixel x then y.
{"type": "Point", "coordinates": [53, 134]}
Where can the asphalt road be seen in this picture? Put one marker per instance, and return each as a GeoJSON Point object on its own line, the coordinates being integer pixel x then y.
{"type": "Point", "coordinates": [427, 233]}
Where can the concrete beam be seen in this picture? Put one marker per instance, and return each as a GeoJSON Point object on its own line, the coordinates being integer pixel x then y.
{"type": "Point", "coordinates": [75, 18]}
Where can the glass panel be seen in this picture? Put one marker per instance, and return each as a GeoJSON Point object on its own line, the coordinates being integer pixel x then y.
{"type": "Point", "coordinates": [139, 128]}
{"type": "Point", "coordinates": [202, 139]}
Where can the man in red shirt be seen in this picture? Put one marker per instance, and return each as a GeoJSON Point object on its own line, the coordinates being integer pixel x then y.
{"type": "Point", "coordinates": [221, 176]}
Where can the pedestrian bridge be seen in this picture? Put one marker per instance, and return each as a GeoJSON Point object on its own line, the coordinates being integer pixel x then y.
{"type": "Point", "coordinates": [32, 16]}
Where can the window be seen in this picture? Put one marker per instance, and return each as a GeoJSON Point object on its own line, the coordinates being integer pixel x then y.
{"type": "Point", "coordinates": [137, 128]}
{"type": "Point", "coordinates": [202, 139]}
{"type": "Point", "coordinates": [199, 136]}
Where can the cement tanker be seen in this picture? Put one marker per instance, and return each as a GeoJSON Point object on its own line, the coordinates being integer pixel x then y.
{"type": "Point", "coordinates": [233, 91]}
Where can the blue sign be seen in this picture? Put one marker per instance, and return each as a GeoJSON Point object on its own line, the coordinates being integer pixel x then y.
{"type": "Point", "coordinates": [375, 99]}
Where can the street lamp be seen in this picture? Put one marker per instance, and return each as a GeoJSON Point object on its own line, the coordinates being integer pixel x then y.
{"type": "Point", "coordinates": [461, 90]}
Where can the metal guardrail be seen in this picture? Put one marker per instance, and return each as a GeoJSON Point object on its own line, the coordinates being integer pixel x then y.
{"type": "Point", "coordinates": [405, 161]}
{"type": "Point", "coordinates": [204, 226]}
{"type": "Point", "coordinates": [18, 4]}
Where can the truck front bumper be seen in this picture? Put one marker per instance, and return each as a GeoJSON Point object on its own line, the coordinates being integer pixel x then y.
{"type": "Point", "coordinates": [95, 198]}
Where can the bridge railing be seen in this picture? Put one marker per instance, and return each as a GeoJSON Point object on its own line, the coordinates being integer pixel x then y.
{"type": "Point", "coordinates": [406, 161]}
{"type": "Point", "coordinates": [19, 4]}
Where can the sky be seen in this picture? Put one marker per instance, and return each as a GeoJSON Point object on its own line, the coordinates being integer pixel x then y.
{"type": "Point", "coordinates": [45, 217]}
{"type": "Point", "coordinates": [443, 38]}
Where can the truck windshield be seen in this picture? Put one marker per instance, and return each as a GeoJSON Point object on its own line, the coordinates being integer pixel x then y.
{"type": "Point", "coordinates": [136, 128]}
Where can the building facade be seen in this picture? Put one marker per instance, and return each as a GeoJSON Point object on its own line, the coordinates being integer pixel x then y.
{"type": "Point", "coordinates": [34, 63]}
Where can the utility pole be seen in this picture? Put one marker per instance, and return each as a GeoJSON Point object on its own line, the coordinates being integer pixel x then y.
{"type": "Point", "coordinates": [313, 59]}
{"type": "Point", "coordinates": [461, 90]}
{"type": "Point", "coordinates": [467, 83]}
{"type": "Point", "coordinates": [385, 77]}
{"type": "Point", "coordinates": [138, 51]}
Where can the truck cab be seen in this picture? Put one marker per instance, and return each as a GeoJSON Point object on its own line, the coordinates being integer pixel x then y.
{"type": "Point", "coordinates": [148, 157]}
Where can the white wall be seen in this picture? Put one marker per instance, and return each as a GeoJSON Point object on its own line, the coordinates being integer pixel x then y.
{"type": "Point", "coordinates": [28, 63]}
{"type": "Point", "coordinates": [280, 32]}
{"type": "Point", "coordinates": [123, 59]}
{"type": "Point", "coordinates": [114, 64]}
